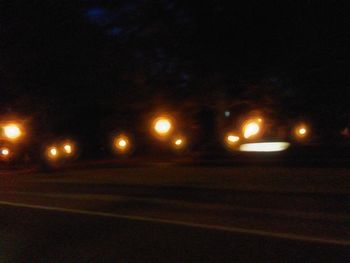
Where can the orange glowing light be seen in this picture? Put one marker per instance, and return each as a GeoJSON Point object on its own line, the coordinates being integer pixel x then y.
{"type": "Point", "coordinates": [162, 126]}
{"type": "Point", "coordinates": [251, 128]}
{"type": "Point", "coordinates": [5, 152]}
{"type": "Point", "coordinates": [121, 143]}
{"type": "Point", "coordinates": [301, 131]}
{"type": "Point", "coordinates": [52, 152]}
{"type": "Point", "coordinates": [179, 142]}
{"type": "Point", "coordinates": [68, 148]}
{"type": "Point", "coordinates": [232, 138]}
{"type": "Point", "coordinates": [12, 131]}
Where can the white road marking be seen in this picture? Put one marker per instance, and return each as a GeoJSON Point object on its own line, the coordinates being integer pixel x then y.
{"type": "Point", "coordinates": [235, 230]}
{"type": "Point", "coordinates": [189, 205]}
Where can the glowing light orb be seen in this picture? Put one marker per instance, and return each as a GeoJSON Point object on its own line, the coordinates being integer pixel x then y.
{"type": "Point", "coordinates": [232, 138]}
{"type": "Point", "coordinates": [301, 131]}
{"type": "Point", "coordinates": [162, 126]}
{"type": "Point", "coordinates": [12, 131]}
{"type": "Point", "coordinates": [121, 143]}
{"type": "Point", "coordinates": [251, 129]}
{"type": "Point", "coordinates": [52, 153]}
{"type": "Point", "coordinates": [178, 142]}
{"type": "Point", "coordinates": [5, 151]}
{"type": "Point", "coordinates": [68, 149]}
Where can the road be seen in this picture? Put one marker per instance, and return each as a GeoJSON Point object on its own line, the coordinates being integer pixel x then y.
{"type": "Point", "coordinates": [176, 214]}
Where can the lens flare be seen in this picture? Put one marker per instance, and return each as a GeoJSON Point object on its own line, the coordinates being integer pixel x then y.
{"type": "Point", "coordinates": [12, 131]}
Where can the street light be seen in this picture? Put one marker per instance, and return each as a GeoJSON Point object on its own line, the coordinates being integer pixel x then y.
{"type": "Point", "coordinates": [162, 126]}
{"type": "Point", "coordinates": [68, 148]}
{"type": "Point", "coordinates": [52, 152]}
{"type": "Point", "coordinates": [5, 152]}
{"type": "Point", "coordinates": [179, 142]}
{"type": "Point", "coordinates": [122, 143]}
{"type": "Point", "coordinates": [12, 131]}
{"type": "Point", "coordinates": [301, 131]}
{"type": "Point", "coordinates": [251, 128]}
{"type": "Point", "coordinates": [231, 139]}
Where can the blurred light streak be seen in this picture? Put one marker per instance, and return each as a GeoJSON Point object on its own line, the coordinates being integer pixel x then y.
{"type": "Point", "coordinates": [264, 147]}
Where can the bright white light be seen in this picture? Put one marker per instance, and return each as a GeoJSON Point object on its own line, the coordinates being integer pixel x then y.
{"type": "Point", "coordinates": [178, 142]}
{"type": "Point", "coordinates": [53, 151]}
{"type": "Point", "coordinates": [227, 113]}
{"type": "Point", "coordinates": [232, 138]}
{"type": "Point", "coordinates": [264, 147]}
{"type": "Point", "coordinates": [251, 129]}
{"type": "Point", "coordinates": [5, 151]}
{"type": "Point", "coordinates": [302, 131]}
{"type": "Point", "coordinates": [12, 131]}
{"type": "Point", "coordinates": [162, 126]}
{"type": "Point", "coordinates": [122, 143]}
{"type": "Point", "coordinates": [67, 148]}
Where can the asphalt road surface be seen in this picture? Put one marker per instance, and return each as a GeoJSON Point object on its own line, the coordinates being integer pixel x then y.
{"type": "Point", "coordinates": [176, 214]}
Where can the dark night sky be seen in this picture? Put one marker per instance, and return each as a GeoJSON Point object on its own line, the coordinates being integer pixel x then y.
{"type": "Point", "coordinates": [82, 62]}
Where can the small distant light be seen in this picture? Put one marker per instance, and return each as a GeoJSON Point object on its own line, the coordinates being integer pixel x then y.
{"type": "Point", "coordinates": [227, 113]}
{"type": "Point", "coordinates": [233, 138]}
{"type": "Point", "coordinates": [178, 142]}
{"type": "Point", "coordinates": [52, 152]}
{"type": "Point", "coordinates": [5, 152]}
{"type": "Point", "coordinates": [301, 131]}
{"type": "Point", "coordinates": [121, 143]}
{"type": "Point", "coordinates": [264, 147]}
{"type": "Point", "coordinates": [68, 149]}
